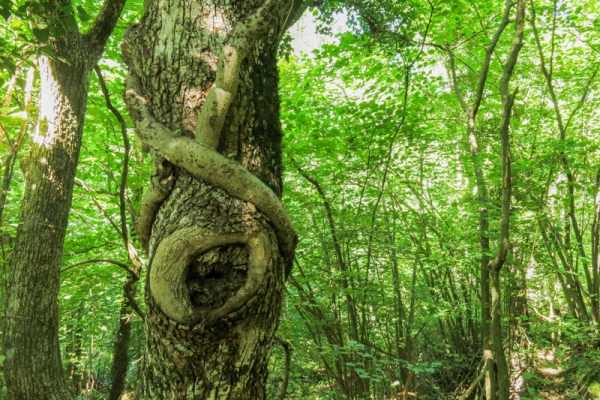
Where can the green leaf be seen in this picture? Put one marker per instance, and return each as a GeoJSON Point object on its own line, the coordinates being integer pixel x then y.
{"type": "Point", "coordinates": [48, 51]}
{"type": "Point", "coordinates": [5, 12]}
{"type": "Point", "coordinates": [41, 34]}
{"type": "Point", "coordinates": [5, 9]}
{"type": "Point", "coordinates": [83, 15]}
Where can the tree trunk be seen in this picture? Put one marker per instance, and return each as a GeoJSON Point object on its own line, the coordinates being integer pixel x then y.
{"type": "Point", "coordinates": [33, 368]}
{"type": "Point", "coordinates": [118, 371]}
{"type": "Point", "coordinates": [217, 237]}
{"type": "Point", "coordinates": [33, 364]}
{"type": "Point", "coordinates": [74, 350]}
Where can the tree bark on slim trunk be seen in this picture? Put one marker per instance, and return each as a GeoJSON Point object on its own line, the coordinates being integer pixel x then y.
{"type": "Point", "coordinates": [508, 98]}
{"type": "Point", "coordinates": [497, 380]}
{"type": "Point", "coordinates": [118, 371]}
{"type": "Point", "coordinates": [202, 91]}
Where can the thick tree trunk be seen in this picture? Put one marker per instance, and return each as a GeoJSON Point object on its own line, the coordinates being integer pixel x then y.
{"type": "Point", "coordinates": [33, 364]}
{"type": "Point", "coordinates": [33, 367]}
{"type": "Point", "coordinates": [217, 274]}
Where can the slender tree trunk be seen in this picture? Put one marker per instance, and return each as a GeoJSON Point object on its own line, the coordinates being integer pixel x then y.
{"type": "Point", "coordinates": [118, 370]}
{"type": "Point", "coordinates": [217, 237]}
{"type": "Point", "coordinates": [496, 265]}
{"type": "Point", "coordinates": [74, 351]}
{"type": "Point", "coordinates": [595, 236]}
{"type": "Point", "coordinates": [568, 280]}
{"type": "Point", "coordinates": [563, 125]}
{"type": "Point", "coordinates": [359, 386]}
{"type": "Point", "coordinates": [497, 383]}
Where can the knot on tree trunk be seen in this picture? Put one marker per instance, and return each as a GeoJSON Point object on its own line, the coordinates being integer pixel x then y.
{"type": "Point", "coordinates": [173, 254]}
{"type": "Point", "coordinates": [177, 252]}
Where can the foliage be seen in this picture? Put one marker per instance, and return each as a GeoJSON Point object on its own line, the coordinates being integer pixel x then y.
{"type": "Point", "coordinates": [381, 187]}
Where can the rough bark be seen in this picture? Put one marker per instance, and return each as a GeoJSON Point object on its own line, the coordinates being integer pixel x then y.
{"type": "Point", "coordinates": [33, 367]}
{"type": "Point", "coordinates": [202, 91]}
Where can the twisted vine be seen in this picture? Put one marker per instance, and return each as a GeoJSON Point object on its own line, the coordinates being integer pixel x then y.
{"type": "Point", "coordinates": [200, 159]}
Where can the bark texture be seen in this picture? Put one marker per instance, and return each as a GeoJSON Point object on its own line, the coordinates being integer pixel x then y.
{"type": "Point", "coordinates": [118, 371]}
{"type": "Point", "coordinates": [33, 363]}
{"type": "Point", "coordinates": [202, 92]}
{"type": "Point", "coordinates": [33, 368]}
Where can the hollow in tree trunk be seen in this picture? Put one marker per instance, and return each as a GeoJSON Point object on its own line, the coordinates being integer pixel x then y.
{"type": "Point", "coordinates": [202, 91]}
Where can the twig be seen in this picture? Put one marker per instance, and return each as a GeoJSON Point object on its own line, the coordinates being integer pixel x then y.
{"type": "Point", "coordinates": [131, 251]}
{"type": "Point", "coordinates": [85, 187]}
{"type": "Point", "coordinates": [102, 260]}
{"type": "Point", "coordinates": [471, 388]}
{"type": "Point", "coordinates": [127, 290]}
{"type": "Point", "coordinates": [288, 357]}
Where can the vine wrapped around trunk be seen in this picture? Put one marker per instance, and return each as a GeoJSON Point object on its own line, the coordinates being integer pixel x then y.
{"type": "Point", "coordinates": [202, 91]}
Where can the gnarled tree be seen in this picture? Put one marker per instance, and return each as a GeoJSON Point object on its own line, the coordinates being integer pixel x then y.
{"type": "Point", "coordinates": [202, 91]}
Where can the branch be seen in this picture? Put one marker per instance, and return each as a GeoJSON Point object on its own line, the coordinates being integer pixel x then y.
{"type": "Point", "coordinates": [586, 90]}
{"type": "Point", "coordinates": [103, 260]}
{"type": "Point", "coordinates": [328, 210]}
{"type": "Point", "coordinates": [338, 252]}
{"type": "Point", "coordinates": [488, 56]}
{"type": "Point", "coordinates": [123, 126]}
{"type": "Point", "coordinates": [474, 384]}
{"type": "Point", "coordinates": [288, 357]}
{"type": "Point", "coordinates": [542, 316]}
{"type": "Point", "coordinates": [547, 74]}
{"type": "Point", "coordinates": [133, 278]}
{"type": "Point", "coordinates": [131, 251]}
{"type": "Point", "coordinates": [98, 34]}
{"type": "Point", "coordinates": [205, 163]}
{"type": "Point", "coordinates": [507, 104]}
{"type": "Point", "coordinates": [219, 98]}
{"type": "Point", "coordinates": [85, 187]}
{"type": "Point", "coordinates": [295, 12]}
{"type": "Point", "coordinates": [454, 80]}
{"type": "Point", "coordinates": [127, 290]}
{"type": "Point", "coordinates": [11, 158]}
{"type": "Point", "coordinates": [159, 189]}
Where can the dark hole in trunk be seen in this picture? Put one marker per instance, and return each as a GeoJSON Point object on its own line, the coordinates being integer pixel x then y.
{"type": "Point", "coordinates": [216, 275]}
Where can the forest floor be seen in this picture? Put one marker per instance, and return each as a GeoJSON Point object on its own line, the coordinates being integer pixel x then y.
{"type": "Point", "coordinates": [553, 380]}
{"type": "Point", "coordinates": [552, 376]}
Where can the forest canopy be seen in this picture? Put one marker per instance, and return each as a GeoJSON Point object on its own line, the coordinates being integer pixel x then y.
{"type": "Point", "coordinates": [439, 162]}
